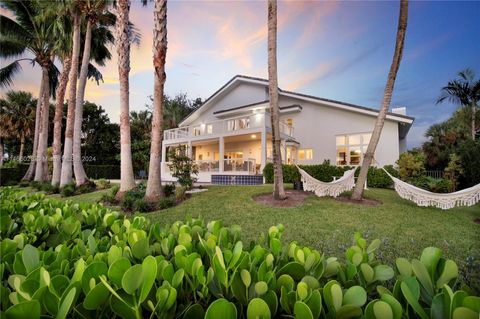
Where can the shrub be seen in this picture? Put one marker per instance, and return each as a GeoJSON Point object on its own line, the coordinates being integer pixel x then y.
{"type": "Point", "coordinates": [131, 197]}
{"type": "Point", "coordinates": [180, 193]}
{"type": "Point", "coordinates": [169, 190]}
{"type": "Point", "coordinates": [411, 166]}
{"type": "Point", "coordinates": [10, 176]}
{"type": "Point", "coordinates": [103, 183]}
{"type": "Point", "coordinates": [112, 266]}
{"type": "Point", "coordinates": [377, 178]}
{"type": "Point", "coordinates": [67, 190]}
{"type": "Point", "coordinates": [49, 188]}
{"type": "Point", "coordinates": [88, 187]}
{"type": "Point", "coordinates": [440, 185]}
{"type": "Point", "coordinates": [166, 202]}
{"type": "Point", "coordinates": [140, 205]}
{"type": "Point", "coordinates": [469, 152]}
{"type": "Point", "coordinates": [182, 166]}
{"type": "Point", "coordinates": [24, 184]}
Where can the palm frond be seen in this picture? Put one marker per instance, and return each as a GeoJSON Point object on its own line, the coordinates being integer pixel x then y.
{"type": "Point", "coordinates": [14, 30]}
{"type": "Point", "coordinates": [467, 75]}
{"type": "Point", "coordinates": [8, 72]}
{"type": "Point", "coordinates": [134, 34]}
{"type": "Point", "coordinates": [10, 48]}
{"type": "Point", "coordinates": [24, 12]}
{"type": "Point", "coordinates": [102, 37]}
{"type": "Point", "coordinates": [53, 74]}
{"type": "Point", "coordinates": [94, 74]}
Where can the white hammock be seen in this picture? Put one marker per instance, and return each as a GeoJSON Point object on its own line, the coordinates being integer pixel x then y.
{"type": "Point", "coordinates": [335, 188]}
{"type": "Point", "coordinates": [466, 197]}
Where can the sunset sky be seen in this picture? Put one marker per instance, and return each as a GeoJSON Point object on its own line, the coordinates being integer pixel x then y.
{"type": "Point", "coordinates": [336, 50]}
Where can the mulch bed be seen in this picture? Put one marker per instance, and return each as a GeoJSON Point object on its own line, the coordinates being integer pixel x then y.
{"type": "Point", "coordinates": [476, 220]}
{"type": "Point", "coordinates": [294, 198]}
{"type": "Point", "coordinates": [365, 201]}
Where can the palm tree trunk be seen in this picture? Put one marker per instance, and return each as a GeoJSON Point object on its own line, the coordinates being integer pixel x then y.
{"type": "Point", "coordinates": [41, 169]}
{"type": "Point", "coordinates": [22, 147]}
{"type": "Point", "coordinates": [474, 114]}
{"type": "Point", "coordinates": [66, 173]}
{"type": "Point", "coordinates": [1, 152]}
{"type": "Point", "coordinates": [278, 189]}
{"type": "Point", "coordinates": [80, 175]}
{"type": "Point", "coordinates": [387, 97]}
{"type": "Point", "coordinates": [154, 184]}
{"type": "Point", "coordinates": [57, 126]}
{"type": "Point", "coordinates": [127, 180]}
{"type": "Point", "coordinates": [31, 168]}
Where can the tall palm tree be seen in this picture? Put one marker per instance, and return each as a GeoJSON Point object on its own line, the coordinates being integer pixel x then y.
{"type": "Point", "coordinates": [18, 117]}
{"type": "Point", "coordinates": [278, 189]}
{"type": "Point", "coordinates": [29, 34]}
{"type": "Point", "coordinates": [387, 97]}
{"type": "Point", "coordinates": [96, 14]}
{"type": "Point", "coordinates": [154, 184]}
{"type": "Point", "coordinates": [465, 91]}
{"type": "Point", "coordinates": [123, 38]}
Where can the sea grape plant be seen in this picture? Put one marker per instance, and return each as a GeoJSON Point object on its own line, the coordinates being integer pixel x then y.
{"type": "Point", "coordinates": [64, 260]}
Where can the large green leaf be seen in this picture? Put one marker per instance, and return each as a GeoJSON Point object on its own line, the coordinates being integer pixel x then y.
{"type": "Point", "coordinates": [413, 300]}
{"type": "Point", "coordinates": [430, 258]}
{"type": "Point", "coordinates": [315, 304]}
{"type": "Point", "coordinates": [221, 308]}
{"type": "Point", "coordinates": [149, 270]}
{"type": "Point", "coordinates": [258, 309]}
{"type": "Point", "coordinates": [383, 273]}
{"type": "Point", "coordinates": [96, 297]}
{"type": "Point", "coordinates": [24, 310]}
{"type": "Point", "coordinates": [394, 304]}
{"type": "Point", "coordinates": [195, 311]}
{"type": "Point", "coordinates": [117, 269]}
{"type": "Point", "coordinates": [348, 311]}
{"type": "Point", "coordinates": [294, 269]}
{"type": "Point", "coordinates": [465, 313]}
{"type": "Point", "coordinates": [450, 271]}
{"type": "Point", "coordinates": [30, 258]}
{"type": "Point", "coordinates": [382, 310]}
{"type": "Point", "coordinates": [66, 304]}
{"type": "Point", "coordinates": [302, 311]}
{"type": "Point", "coordinates": [355, 296]}
{"type": "Point", "coordinates": [421, 272]}
{"type": "Point", "coordinates": [404, 267]}
{"type": "Point", "coordinates": [132, 279]}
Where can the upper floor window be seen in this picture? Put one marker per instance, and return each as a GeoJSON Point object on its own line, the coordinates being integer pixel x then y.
{"type": "Point", "coordinates": [209, 128]}
{"type": "Point", "coordinates": [238, 124]}
{"type": "Point", "coordinates": [289, 122]}
{"type": "Point", "coordinates": [197, 131]}
{"type": "Point", "coordinates": [305, 154]}
{"type": "Point", "coordinates": [351, 147]}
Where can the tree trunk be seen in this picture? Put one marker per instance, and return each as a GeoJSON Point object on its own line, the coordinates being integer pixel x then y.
{"type": "Point", "coordinates": [127, 180]}
{"type": "Point", "coordinates": [474, 114]}
{"type": "Point", "coordinates": [278, 189]}
{"type": "Point", "coordinates": [66, 173]}
{"type": "Point", "coordinates": [31, 168]}
{"type": "Point", "coordinates": [57, 126]}
{"type": "Point", "coordinates": [154, 183]}
{"type": "Point", "coordinates": [387, 97]}
{"type": "Point", "coordinates": [22, 147]}
{"type": "Point", "coordinates": [41, 169]}
{"type": "Point", "coordinates": [1, 153]}
{"type": "Point", "coordinates": [80, 175]}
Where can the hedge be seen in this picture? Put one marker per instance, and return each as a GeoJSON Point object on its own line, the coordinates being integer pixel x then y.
{"type": "Point", "coordinates": [325, 172]}
{"type": "Point", "coordinates": [12, 175]}
{"type": "Point", "coordinates": [103, 171]}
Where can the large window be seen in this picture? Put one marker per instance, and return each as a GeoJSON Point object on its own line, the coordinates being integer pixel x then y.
{"type": "Point", "coordinates": [238, 124]}
{"type": "Point", "coordinates": [305, 154]}
{"type": "Point", "coordinates": [351, 147]}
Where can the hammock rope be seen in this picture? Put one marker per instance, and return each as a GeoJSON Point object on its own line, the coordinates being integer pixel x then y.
{"type": "Point", "coordinates": [334, 188]}
{"type": "Point", "coordinates": [465, 197]}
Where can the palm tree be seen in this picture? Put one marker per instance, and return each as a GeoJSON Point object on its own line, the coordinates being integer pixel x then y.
{"type": "Point", "coordinates": [95, 13]}
{"type": "Point", "coordinates": [464, 91]}
{"type": "Point", "coordinates": [18, 117]}
{"type": "Point", "coordinates": [278, 189]}
{"type": "Point", "coordinates": [154, 184]}
{"type": "Point", "coordinates": [99, 53]}
{"type": "Point", "coordinates": [387, 97]}
{"type": "Point", "coordinates": [30, 34]}
{"type": "Point", "coordinates": [123, 30]}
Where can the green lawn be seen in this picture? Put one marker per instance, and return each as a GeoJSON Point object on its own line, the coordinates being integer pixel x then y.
{"type": "Point", "coordinates": [328, 225]}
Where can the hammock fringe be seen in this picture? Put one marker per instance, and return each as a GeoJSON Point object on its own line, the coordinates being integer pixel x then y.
{"type": "Point", "coordinates": [334, 189]}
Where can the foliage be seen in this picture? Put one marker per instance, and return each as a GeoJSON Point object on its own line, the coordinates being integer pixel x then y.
{"type": "Point", "coordinates": [10, 176]}
{"type": "Point", "coordinates": [411, 165]}
{"type": "Point", "coordinates": [45, 187]}
{"type": "Point", "coordinates": [141, 205]}
{"type": "Point", "coordinates": [182, 167]}
{"type": "Point", "coordinates": [166, 202]}
{"type": "Point", "coordinates": [469, 152]}
{"type": "Point", "coordinates": [180, 193]}
{"type": "Point", "coordinates": [325, 172]}
{"type": "Point", "coordinates": [453, 171]}
{"type": "Point", "coordinates": [103, 183]}
{"type": "Point", "coordinates": [67, 190]}
{"type": "Point", "coordinates": [103, 171]}
{"type": "Point", "coordinates": [110, 196]}
{"type": "Point", "coordinates": [131, 197]}
{"type": "Point", "coordinates": [169, 190]}
{"type": "Point", "coordinates": [60, 259]}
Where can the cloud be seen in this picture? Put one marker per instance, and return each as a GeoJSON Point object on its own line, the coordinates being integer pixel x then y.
{"type": "Point", "coordinates": [427, 46]}
{"type": "Point", "coordinates": [314, 74]}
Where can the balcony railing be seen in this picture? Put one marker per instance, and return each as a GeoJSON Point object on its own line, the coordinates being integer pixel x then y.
{"type": "Point", "coordinates": [207, 166]}
{"type": "Point", "coordinates": [239, 165]}
{"type": "Point", "coordinates": [226, 126]}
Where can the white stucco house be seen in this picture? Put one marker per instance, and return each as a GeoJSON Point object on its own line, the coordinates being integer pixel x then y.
{"type": "Point", "coordinates": [229, 136]}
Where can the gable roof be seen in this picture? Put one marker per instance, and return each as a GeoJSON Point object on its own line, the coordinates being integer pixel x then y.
{"type": "Point", "coordinates": [333, 103]}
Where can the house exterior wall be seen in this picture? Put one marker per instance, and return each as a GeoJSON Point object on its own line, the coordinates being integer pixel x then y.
{"type": "Point", "coordinates": [242, 94]}
{"type": "Point", "coordinates": [317, 126]}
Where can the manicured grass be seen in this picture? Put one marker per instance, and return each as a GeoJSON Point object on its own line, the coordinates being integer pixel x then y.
{"type": "Point", "coordinates": [328, 225]}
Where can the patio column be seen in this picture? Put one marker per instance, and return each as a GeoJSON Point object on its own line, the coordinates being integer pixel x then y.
{"type": "Point", "coordinates": [221, 155]}
{"type": "Point", "coordinates": [190, 149]}
{"type": "Point", "coordinates": [264, 149]}
{"type": "Point", "coordinates": [164, 152]}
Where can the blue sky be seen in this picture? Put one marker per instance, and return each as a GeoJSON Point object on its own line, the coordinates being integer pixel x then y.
{"type": "Point", "coordinates": [336, 50]}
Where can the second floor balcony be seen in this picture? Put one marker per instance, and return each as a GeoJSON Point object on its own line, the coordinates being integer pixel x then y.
{"type": "Point", "coordinates": [229, 126]}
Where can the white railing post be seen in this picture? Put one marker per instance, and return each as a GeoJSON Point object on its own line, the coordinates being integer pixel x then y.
{"type": "Point", "coordinates": [221, 154]}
